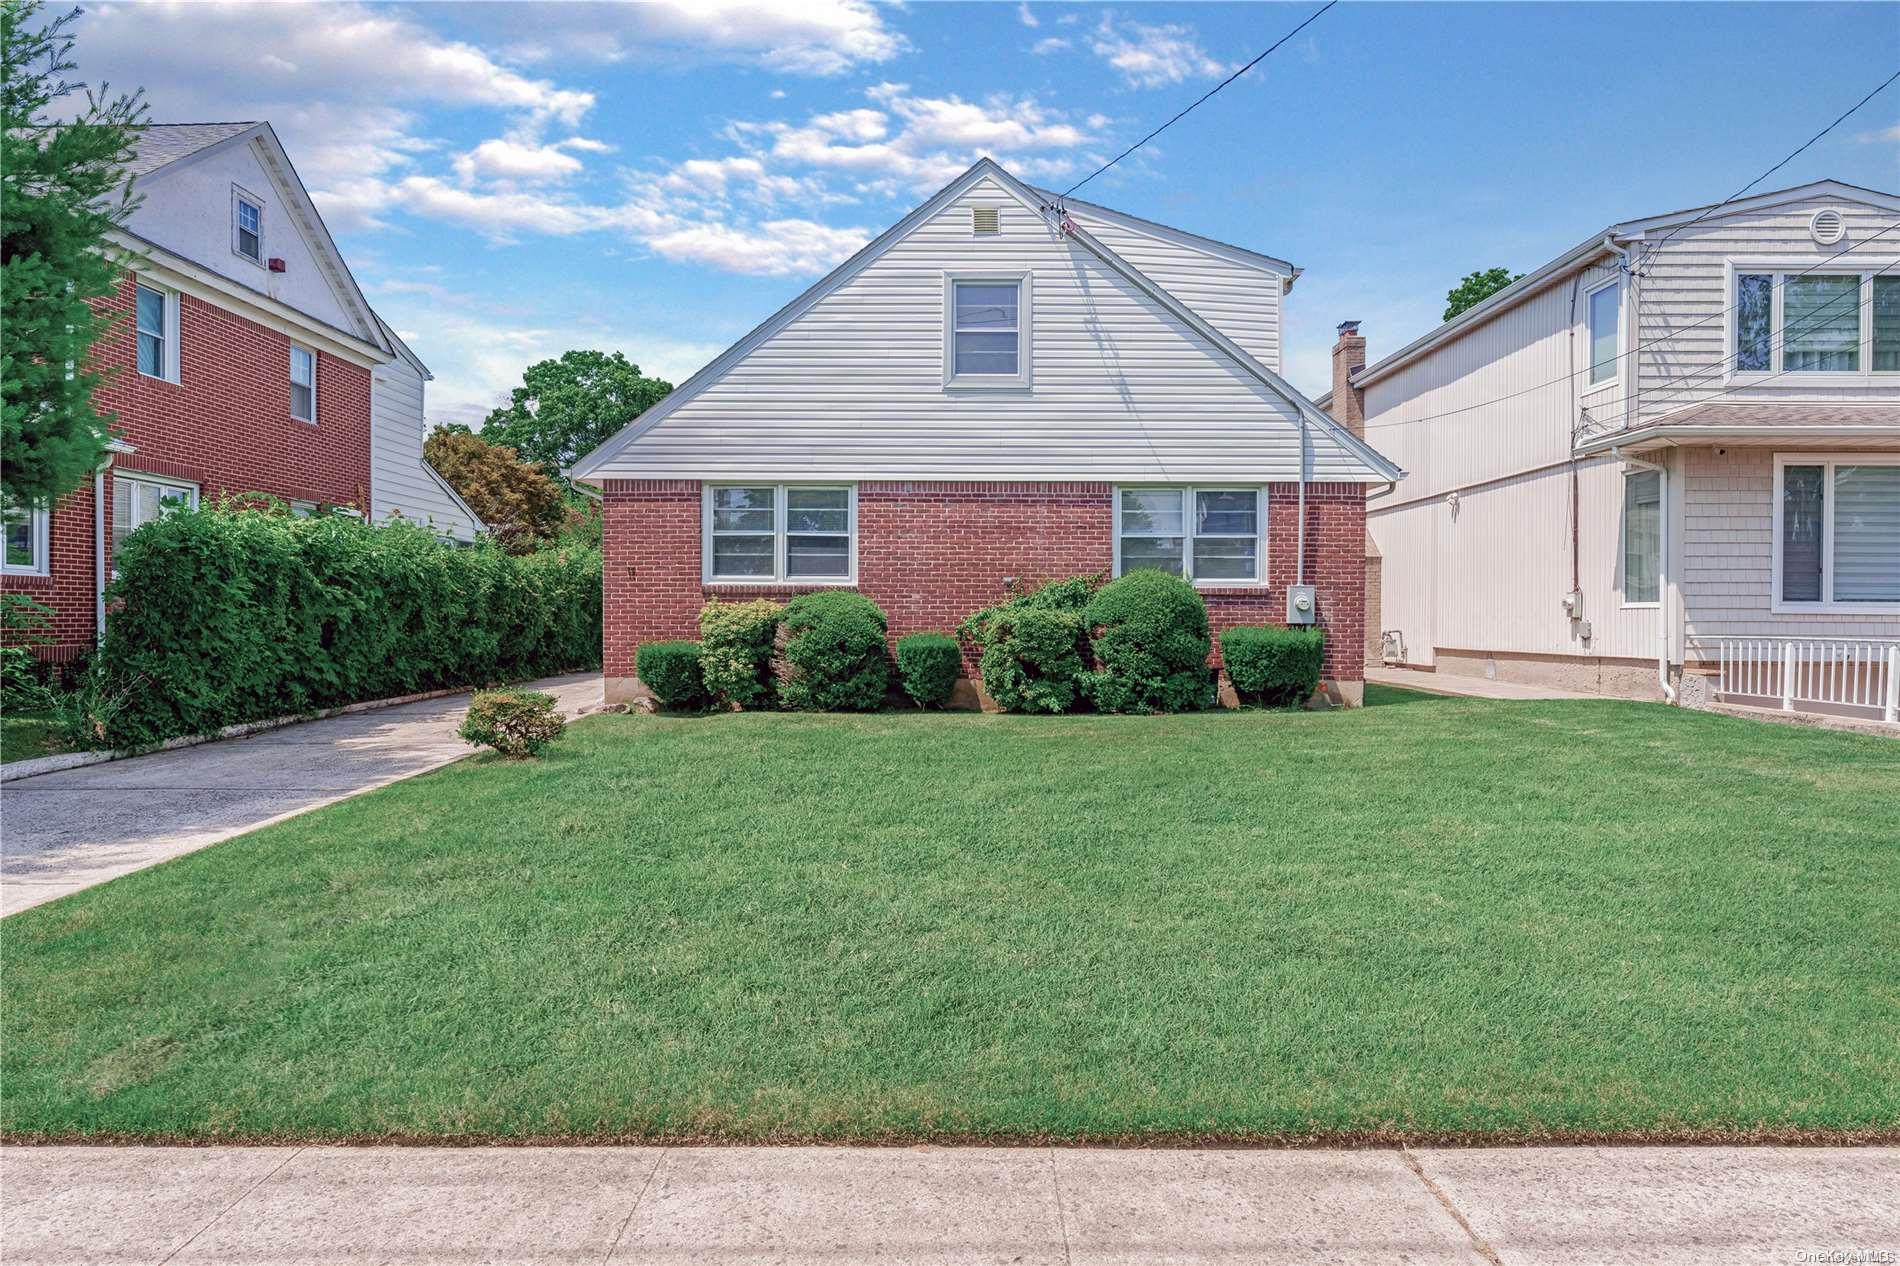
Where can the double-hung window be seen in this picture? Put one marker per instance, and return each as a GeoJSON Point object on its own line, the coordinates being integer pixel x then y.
{"type": "Point", "coordinates": [139, 499]}
{"type": "Point", "coordinates": [247, 226]}
{"type": "Point", "coordinates": [1605, 315]}
{"type": "Point", "coordinates": [986, 324]}
{"type": "Point", "coordinates": [794, 533]}
{"type": "Point", "coordinates": [25, 538]}
{"type": "Point", "coordinates": [1213, 536]}
{"type": "Point", "coordinates": [1837, 533]}
{"type": "Point", "coordinates": [156, 320]}
{"type": "Point", "coordinates": [1825, 326]}
{"type": "Point", "coordinates": [303, 384]}
{"type": "Point", "coordinates": [1642, 537]}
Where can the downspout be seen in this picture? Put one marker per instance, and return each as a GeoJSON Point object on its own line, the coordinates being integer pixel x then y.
{"type": "Point", "coordinates": [1662, 571]}
{"type": "Point", "coordinates": [1299, 567]}
{"type": "Point", "coordinates": [99, 551]}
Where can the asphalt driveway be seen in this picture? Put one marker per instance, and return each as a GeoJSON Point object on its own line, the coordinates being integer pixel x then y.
{"type": "Point", "coordinates": [65, 831]}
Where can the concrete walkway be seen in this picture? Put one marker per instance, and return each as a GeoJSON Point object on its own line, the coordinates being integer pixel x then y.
{"type": "Point", "coordinates": [65, 831]}
{"type": "Point", "coordinates": [1469, 687]}
{"type": "Point", "coordinates": [897, 1205]}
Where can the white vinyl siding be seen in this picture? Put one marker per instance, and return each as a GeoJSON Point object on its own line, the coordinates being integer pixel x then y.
{"type": "Point", "coordinates": [1642, 537]}
{"type": "Point", "coordinates": [1212, 536]}
{"type": "Point", "coordinates": [303, 384]}
{"type": "Point", "coordinates": [772, 533]}
{"type": "Point", "coordinates": [1837, 533]}
{"type": "Point", "coordinates": [26, 538]}
{"type": "Point", "coordinates": [156, 321]}
{"type": "Point", "coordinates": [401, 483]}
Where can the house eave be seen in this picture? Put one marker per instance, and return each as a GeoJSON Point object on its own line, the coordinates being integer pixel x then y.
{"type": "Point", "coordinates": [1652, 438]}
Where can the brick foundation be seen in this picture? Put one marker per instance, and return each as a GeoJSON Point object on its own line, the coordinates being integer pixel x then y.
{"type": "Point", "coordinates": [931, 553]}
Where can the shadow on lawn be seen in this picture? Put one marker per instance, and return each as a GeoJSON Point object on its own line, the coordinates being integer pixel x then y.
{"type": "Point", "coordinates": [1393, 696]}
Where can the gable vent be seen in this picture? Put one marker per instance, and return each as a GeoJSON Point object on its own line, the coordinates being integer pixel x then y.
{"type": "Point", "coordinates": [984, 220]}
{"type": "Point", "coordinates": [1827, 226]}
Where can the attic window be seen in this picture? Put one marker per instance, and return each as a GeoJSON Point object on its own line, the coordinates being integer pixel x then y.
{"type": "Point", "coordinates": [984, 220]}
{"type": "Point", "coordinates": [247, 226]}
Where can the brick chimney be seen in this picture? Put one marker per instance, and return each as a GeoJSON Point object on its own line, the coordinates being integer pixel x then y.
{"type": "Point", "coordinates": [1349, 356]}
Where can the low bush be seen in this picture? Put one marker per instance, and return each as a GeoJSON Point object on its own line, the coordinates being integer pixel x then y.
{"type": "Point", "coordinates": [1278, 667]}
{"type": "Point", "coordinates": [831, 653]}
{"type": "Point", "coordinates": [927, 667]}
{"type": "Point", "coordinates": [1035, 646]}
{"type": "Point", "coordinates": [24, 680]}
{"type": "Point", "coordinates": [671, 671]}
{"type": "Point", "coordinates": [735, 650]}
{"type": "Point", "coordinates": [516, 723]}
{"type": "Point", "coordinates": [221, 616]}
{"type": "Point", "coordinates": [1149, 636]}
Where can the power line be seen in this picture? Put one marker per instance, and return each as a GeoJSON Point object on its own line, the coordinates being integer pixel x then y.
{"type": "Point", "coordinates": [1203, 97]}
{"type": "Point", "coordinates": [1651, 252]}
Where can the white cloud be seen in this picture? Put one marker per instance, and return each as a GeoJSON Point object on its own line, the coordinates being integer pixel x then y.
{"type": "Point", "coordinates": [1024, 16]}
{"type": "Point", "coordinates": [1152, 56]}
{"type": "Point", "coordinates": [505, 159]}
{"type": "Point", "coordinates": [1887, 135]}
{"type": "Point", "coordinates": [804, 37]}
{"type": "Point", "coordinates": [773, 248]}
{"type": "Point", "coordinates": [1052, 44]}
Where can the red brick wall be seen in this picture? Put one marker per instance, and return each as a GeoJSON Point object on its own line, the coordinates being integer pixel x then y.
{"type": "Point", "coordinates": [224, 425]}
{"type": "Point", "coordinates": [931, 553]}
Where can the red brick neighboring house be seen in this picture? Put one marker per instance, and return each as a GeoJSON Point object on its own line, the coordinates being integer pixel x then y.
{"type": "Point", "coordinates": [244, 363]}
{"type": "Point", "coordinates": [1000, 389]}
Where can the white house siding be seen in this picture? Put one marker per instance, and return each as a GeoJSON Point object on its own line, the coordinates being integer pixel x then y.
{"type": "Point", "coordinates": [1241, 301]}
{"type": "Point", "coordinates": [400, 483]}
{"type": "Point", "coordinates": [1728, 563]}
{"type": "Point", "coordinates": [187, 209]}
{"type": "Point", "coordinates": [853, 387]}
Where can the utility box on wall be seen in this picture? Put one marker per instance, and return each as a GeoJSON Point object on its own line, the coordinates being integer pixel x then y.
{"type": "Point", "coordinates": [1301, 604]}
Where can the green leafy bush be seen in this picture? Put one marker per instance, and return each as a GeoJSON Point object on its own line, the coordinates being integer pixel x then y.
{"type": "Point", "coordinates": [831, 653]}
{"type": "Point", "coordinates": [671, 671]}
{"type": "Point", "coordinates": [516, 723]}
{"type": "Point", "coordinates": [1277, 667]}
{"type": "Point", "coordinates": [23, 679]}
{"type": "Point", "coordinates": [1035, 646]}
{"type": "Point", "coordinates": [927, 665]}
{"type": "Point", "coordinates": [735, 650]}
{"type": "Point", "coordinates": [222, 616]}
{"type": "Point", "coordinates": [1150, 641]}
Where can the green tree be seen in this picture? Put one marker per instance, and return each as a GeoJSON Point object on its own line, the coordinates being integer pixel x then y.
{"type": "Point", "coordinates": [566, 408]}
{"type": "Point", "coordinates": [63, 188]}
{"type": "Point", "coordinates": [521, 505]}
{"type": "Point", "coordinates": [1476, 288]}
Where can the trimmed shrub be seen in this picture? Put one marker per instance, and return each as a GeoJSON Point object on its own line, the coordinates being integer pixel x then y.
{"type": "Point", "coordinates": [221, 616]}
{"type": "Point", "coordinates": [735, 650]}
{"type": "Point", "coordinates": [1150, 641]}
{"type": "Point", "coordinates": [1278, 667]}
{"type": "Point", "coordinates": [831, 653]}
{"type": "Point", "coordinates": [1035, 646]}
{"type": "Point", "coordinates": [516, 723]}
{"type": "Point", "coordinates": [927, 666]}
{"type": "Point", "coordinates": [671, 671]}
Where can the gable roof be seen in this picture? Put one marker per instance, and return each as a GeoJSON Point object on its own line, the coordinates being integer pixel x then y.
{"type": "Point", "coordinates": [1584, 252]}
{"type": "Point", "coordinates": [1031, 198]}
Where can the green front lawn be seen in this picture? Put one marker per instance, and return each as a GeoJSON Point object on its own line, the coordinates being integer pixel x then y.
{"type": "Point", "coordinates": [26, 735]}
{"type": "Point", "coordinates": [1431, 918]}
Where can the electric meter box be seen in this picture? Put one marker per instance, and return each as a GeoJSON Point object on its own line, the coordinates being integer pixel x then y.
{"type": "Point", "coordinates": [1301, 604]}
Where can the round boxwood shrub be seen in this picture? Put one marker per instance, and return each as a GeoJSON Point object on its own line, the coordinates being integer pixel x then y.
{"type": "Point", "coordinates": [927, 665]}
{"type": "Point", "coordinates": [1150, 639]}
{"type": "Point", "coordinates": [1277, 667]}
{"type": "Point", "coordinates": [516, 723]}
{"type": "Point", "coordinates": [671, 671]}
{"type": "Point", "coordinates": [831, 653]}
{"type": "Point", "coordinates": [735, 650]}
{"type": "Point", "coordinates": [1034, 646]}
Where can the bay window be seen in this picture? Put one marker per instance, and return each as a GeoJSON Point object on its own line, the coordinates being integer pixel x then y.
{"type": "Point", "coordinates": [1826, 325]}
{"type": "Point", "coordinates": [1837, 533]}
{"type": "Point", "coordinates": [1212, 536]}
{"type": "Point", "coordinates": [794, 533]}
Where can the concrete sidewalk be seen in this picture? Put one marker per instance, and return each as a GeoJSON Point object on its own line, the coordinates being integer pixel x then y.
{"type": "Point", "coordinates": [1470, 687]}
{"type": "Point", "coordinates": [69, 830]}
{"type": "Point", "coordinates": [946, 1205]}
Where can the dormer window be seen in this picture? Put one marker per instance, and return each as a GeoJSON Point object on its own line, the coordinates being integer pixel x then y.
{"type": "Point", "coordinates": [247, 226]}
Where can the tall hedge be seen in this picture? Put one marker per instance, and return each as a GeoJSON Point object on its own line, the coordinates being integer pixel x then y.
{"type": "Point", "coordinates": [223, 616]}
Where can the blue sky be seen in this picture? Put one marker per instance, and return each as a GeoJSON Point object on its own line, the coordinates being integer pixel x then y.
{"type": "Point", "coordinates": [509, 180]}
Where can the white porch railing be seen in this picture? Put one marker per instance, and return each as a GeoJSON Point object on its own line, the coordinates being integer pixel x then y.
{"type": "Point", "coordinates": [1845, 674]}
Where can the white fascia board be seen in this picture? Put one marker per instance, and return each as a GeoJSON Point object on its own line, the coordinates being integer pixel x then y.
{"type": "Point", "coordinates": [1698, 435]}
{"type": "Point", "coordinates": [1760, 202]}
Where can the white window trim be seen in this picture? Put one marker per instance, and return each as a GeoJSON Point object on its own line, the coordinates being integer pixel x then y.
{"type": "Point", "coordinates": [1622, 326]}
{"type": "Point", "coordinates": [1623, 548]}
{"type": "Point", "coordinates": [953, 381]}
{"type": "Point", "coordinates": [37, 523]}
{"type": "Point", "coordinates": [1187, 492]}
{"type": "Point", "coordinates": [1779, 269]}
{"type": "Point", "coordinates": [140, 477]}
{"type": "Point", "coordinates": [239, 192]}
{"type": "Point", "coordinates": [170, 367]}
{"type": "Point", "coordinates": [315, 410]}
{"type": "Point", "coordinates": [1826, 606]}
{"type": "Point", "coordinates": [779, 534]}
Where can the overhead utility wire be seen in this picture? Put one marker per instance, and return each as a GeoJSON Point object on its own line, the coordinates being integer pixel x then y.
{"type": "Point", "coordinates": [1203, 97]}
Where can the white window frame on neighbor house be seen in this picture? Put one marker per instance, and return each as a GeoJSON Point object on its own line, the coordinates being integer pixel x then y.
{"type": "Point", "coordinates": [1189, 535]}
{"type": "Point", "coordinates": [781, 495]}
{"type": "Point", "coordinates": [36, 520]}
{"type": "Point", "coordinates": [243, 196]}
{"type": "Point", "coordinates": [127, 478]}
{"type": "Point", "coordinates": [1662, 507]}
{"type": "Point", "coordinates": [1592, 384]}
{"type": "Point", "coordinates": [1779, 271]}
{"type": "Point", "coordinates": [311, 352]}
{"type": "Point", "coordinates": [1826, 605]}
{"type": "Point", "coordinates": [167, 334]}
{"type": "Point", "coordinates": [952, 380]}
